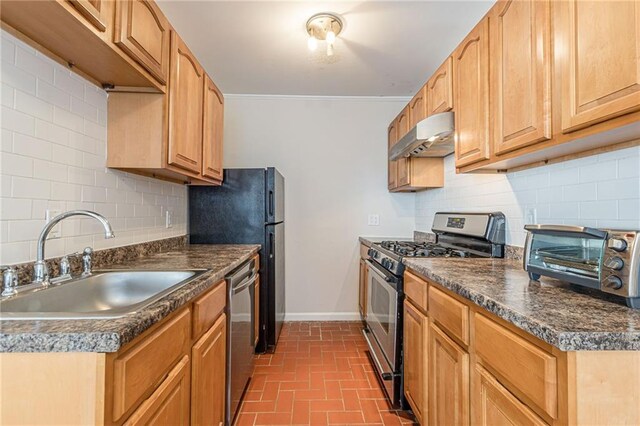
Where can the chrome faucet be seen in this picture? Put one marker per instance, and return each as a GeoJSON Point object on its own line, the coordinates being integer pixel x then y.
{"type": "Point", "coordinates": [40, 271]}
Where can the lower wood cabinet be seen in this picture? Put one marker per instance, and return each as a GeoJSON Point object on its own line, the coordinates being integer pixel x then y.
{"type": "Point", "coordinates": [495, 405]}
{"type": "Point", "coordinates": [362, 289]}
{"type": "Point", "coordinates": [209, 357]}
{"type": "Point", "coordinates": [415, 361]}
{"type": "Point", "coordinates": [448, 380]}
{"type": "Point", "coordinates": [169, 404]}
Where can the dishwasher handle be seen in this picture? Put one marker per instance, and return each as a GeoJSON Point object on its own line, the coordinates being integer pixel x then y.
{"type": "Point", "coordinates": [246, 283]}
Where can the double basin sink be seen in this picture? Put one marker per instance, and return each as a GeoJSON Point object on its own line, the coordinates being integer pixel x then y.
{"type": "Point", "coordinates": [103, 295]}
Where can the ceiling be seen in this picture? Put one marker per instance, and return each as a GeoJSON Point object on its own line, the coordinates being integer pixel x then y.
{"type": "Point", "coordinates": [387, 48]}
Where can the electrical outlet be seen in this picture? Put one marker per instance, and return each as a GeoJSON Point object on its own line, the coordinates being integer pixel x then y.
{"type": "Point", "coordinates": [531, 216]}
{"type": "Point", "coordinates": [373, 220]}
{"type": "Point", "coordinates": [168, 219]}
{"type": "Point", "coordinates": [56, 231]}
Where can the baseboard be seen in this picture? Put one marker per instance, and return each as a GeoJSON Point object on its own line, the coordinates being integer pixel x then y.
{"type": "Point", "coordinates": [322, 316]}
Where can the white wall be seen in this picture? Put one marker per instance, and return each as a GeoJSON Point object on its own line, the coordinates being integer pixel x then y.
{"type": "Point", "coordinates": [53, 156]}
{"type": "Point", "coordinates": [601, 191]}
{"type": "Point", "coordinates": [332, 153]}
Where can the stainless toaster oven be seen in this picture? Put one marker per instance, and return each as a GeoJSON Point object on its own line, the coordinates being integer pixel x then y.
{"type": "Point", "coordinates": [604, 259]}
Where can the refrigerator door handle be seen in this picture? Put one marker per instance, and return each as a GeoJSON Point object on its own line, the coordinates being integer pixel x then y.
{"type": "Point", "coordinates": [271, 203]}
{"type": "Point", "coordinates": [271, 248]}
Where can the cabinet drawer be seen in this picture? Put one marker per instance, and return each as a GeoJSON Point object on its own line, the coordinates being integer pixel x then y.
{"type": "Point", "coordinates": [450, 314]}
{"type": "Point", "coordinates": [140, 369]}
{"type": "Point", "coordinates": [415, 289]}
{"type": "Point", "coordinates": [526, 370]}
{"type": "Point", "coordinates": [169, 404]}
{"type": "Point", "coordinates": [209, 307]}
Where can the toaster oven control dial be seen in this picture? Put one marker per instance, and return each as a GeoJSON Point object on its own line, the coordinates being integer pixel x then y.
{"type": "Point", "coordinates": [617, 244]}
{"type": "Point", "coordinates": [613, 282]}
{"type": "Point", "coordinates": [614, 263]}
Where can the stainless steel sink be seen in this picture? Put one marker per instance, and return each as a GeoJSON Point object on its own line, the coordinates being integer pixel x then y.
{"type": "Point", "coordinates": [103, 295]}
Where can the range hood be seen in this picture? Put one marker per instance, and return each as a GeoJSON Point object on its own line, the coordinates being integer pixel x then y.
{"type": "Point", "coordinates": [432, 137]}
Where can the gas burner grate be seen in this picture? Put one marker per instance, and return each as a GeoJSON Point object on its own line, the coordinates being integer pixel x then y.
{"type": "Point", "coordinates": [421, 249]}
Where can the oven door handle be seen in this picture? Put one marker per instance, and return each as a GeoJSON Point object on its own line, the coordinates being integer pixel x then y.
{"type": "Point", "coordinates": [374, 355]}
{"type": "Point", "coordinates": [390, 278]}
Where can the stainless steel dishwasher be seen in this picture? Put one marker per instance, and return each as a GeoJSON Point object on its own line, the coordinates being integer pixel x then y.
{"type": "Point", "coordinates": [241, 341]}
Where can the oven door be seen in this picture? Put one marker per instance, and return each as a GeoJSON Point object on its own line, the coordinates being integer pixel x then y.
{"type": "Point", "coordinates": [382, 312]}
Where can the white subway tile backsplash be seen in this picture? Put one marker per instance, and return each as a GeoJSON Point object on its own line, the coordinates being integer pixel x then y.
{"type": "Point", "coordinates": [32, 147]}
{"type": "Point", "coordinates": [17, 121]}
{"type": "Point", "coordinates": [40, 67]}
{"type": "Point", "coordinates": [53, 156]}
{"type": "Point", "coordinates": [53, 95]}
{"type": "Point", "coordinates": [29, 188]}
{"type": "Point", "coordinates": [64, 81]}
{"type": "Point", "coordinates": [34, 106]}
{"type": "Point", "coordinates": [602, 191]}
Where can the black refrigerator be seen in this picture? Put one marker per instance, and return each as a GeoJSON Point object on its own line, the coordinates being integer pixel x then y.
{"type": "Point", "coordinates": [247, 209]}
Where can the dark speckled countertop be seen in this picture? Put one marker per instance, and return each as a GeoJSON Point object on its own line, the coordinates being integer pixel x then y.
{"type": "Point", "coordinates": [549, 310]}
{"type": "Point", "coordinates": [92, 335]}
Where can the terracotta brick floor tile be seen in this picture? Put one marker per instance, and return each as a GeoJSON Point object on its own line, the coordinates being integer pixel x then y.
{"type": "Point", "coordinates": [320, 374]}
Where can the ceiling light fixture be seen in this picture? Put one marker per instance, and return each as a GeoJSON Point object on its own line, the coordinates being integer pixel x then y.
{"type": "Point", "coordinates": [324, 26]}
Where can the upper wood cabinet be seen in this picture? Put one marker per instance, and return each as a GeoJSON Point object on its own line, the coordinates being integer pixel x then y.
{"type": "Point", "coordinates": [185, 108]}
{"type": "Point", "coordinates": [440, 89]}
{"type": "Point", "coordinates": [208, 376]}
{"type": "Point", "coordinates": [448, 380]}
{"type": "Point", "coordinates": [94, 12]}
{"type": "Point", "coordinates": [416, 357]}
{"type": "Point", "coordinates": [213, 122]}
{"type": "Point", "coordinates": [520, 73]}
{"type": "Point", "coordinates": [418, 107]}
{"type": "Point", "coordinates": [471, 96]}
{"type": "Point", "coordinates": [392, 166]}
{"type": "Point", "coordinates": [142, 31]}
{"type": "Point", "coordinates": [404, 165]}
{"type": "Point", "coordinates": [600, 60]}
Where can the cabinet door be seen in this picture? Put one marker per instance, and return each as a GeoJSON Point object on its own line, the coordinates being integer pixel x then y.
{"type": "Point", "coordinates": [416, 356]}
{"type": "Point", "coordinates": [142, 31]}
{"type": "Point", "coordinates": [185, 108]}
{"type": "Point", "coordinates": [600, 61]}
{"type": "Point", "coordinates": [208, 375]}
{"type": "Point", "coordinates": [440, 89]}
{"type": "Point", "coordinates": [392, 169]}
{"type": "Point", "coordinates": [448, 380]}
{"type": "Point", "coordinates": [404, 163]}
{"type": "Point", "coordinates": [494, 405]}
{"type": "Point", "coordinates": [94, 11]}
{"type": "Point", "coordinates": [169, 404]}
{"type": "Point", "coordinates": [213, 122]}
{"type": "Point", "coordinates": [418, 107]}
{"type": "Point", "coordinates": [471, 96]}
{"type": "Point", "coordinates": [520, 73]}
{"type": "Point", "coordinates": [362, 289]}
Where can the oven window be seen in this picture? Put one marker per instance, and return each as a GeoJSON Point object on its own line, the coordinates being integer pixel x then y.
{"type": "Point", "coordinates": [380, 305]}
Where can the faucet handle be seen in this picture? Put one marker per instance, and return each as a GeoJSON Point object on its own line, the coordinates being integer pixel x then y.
{"type": "Point", "coordinates": [86, 261]}
{"type": "Point", "coordinates": [9, 281]}
{"type": "Point", "coordinates": [65, 266]}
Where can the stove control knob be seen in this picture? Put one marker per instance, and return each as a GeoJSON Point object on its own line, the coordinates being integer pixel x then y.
{"type": "Point", "coordinates": [614, 263]}
{"type": "Point", "coordinates": [617, 244]}
{"type": "Point", "coordinates": [613, 282]}
{"type": "Point", "coordinates": [391, 264]}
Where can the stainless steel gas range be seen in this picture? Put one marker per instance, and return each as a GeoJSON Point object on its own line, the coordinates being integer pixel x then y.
{"type": "Point", "coordinates": [457, 235]}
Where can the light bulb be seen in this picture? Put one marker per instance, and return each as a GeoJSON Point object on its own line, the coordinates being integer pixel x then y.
{"type": "Point", "coordinates": [312, 43]}
{"type": "Point", "coordinates": [331, 37]}
{"type": "Point", "coordinates": [329, 49]}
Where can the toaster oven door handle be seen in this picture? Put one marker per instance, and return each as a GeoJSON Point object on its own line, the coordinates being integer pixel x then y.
{"type": "Point", "coordinates": [563, 230]}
